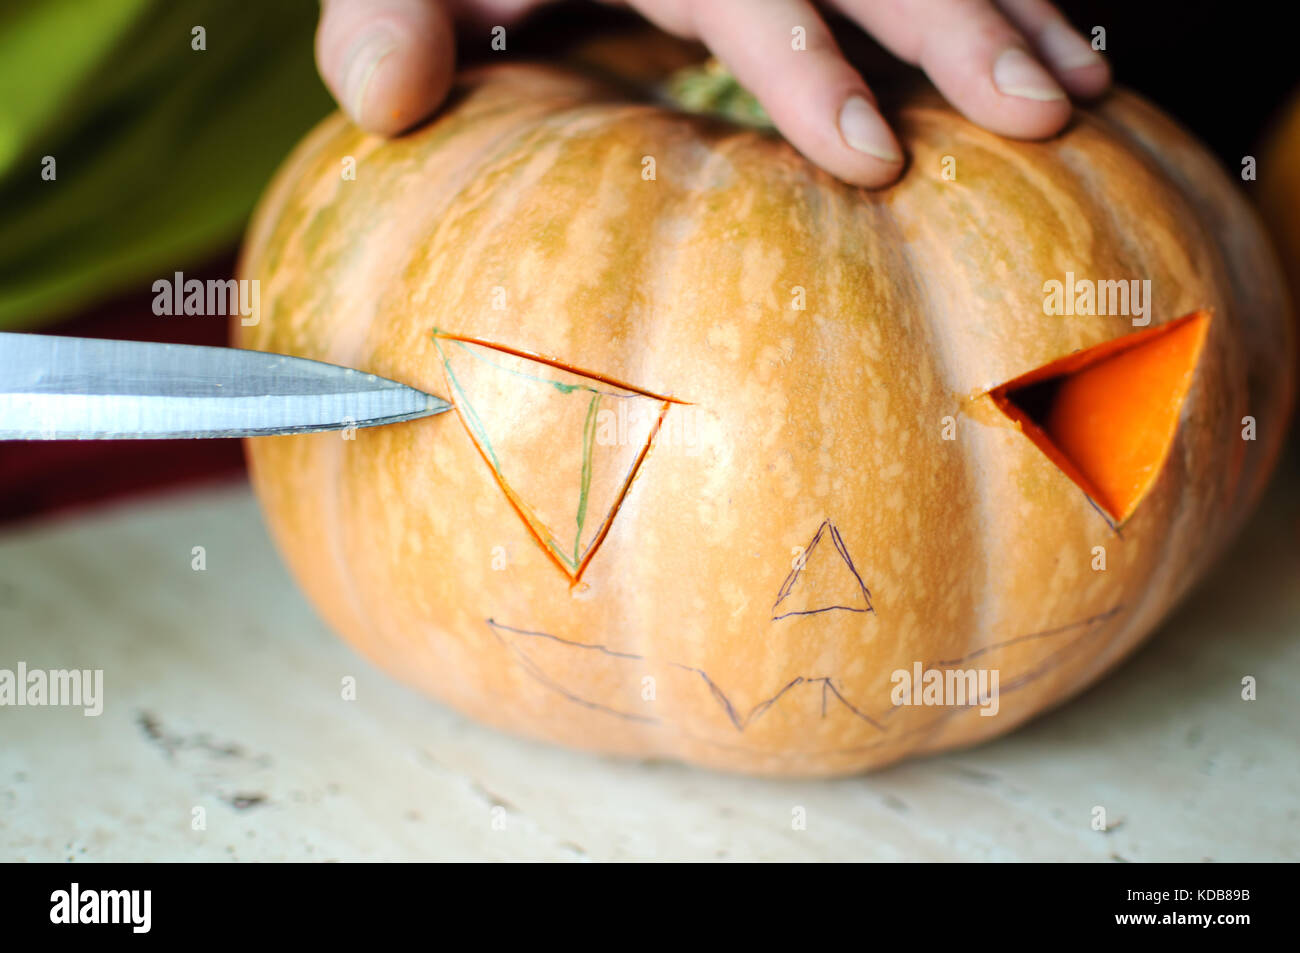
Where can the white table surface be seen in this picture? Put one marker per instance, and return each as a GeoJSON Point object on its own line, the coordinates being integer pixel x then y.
{"type": "Point", "coordinates": [222, 692]}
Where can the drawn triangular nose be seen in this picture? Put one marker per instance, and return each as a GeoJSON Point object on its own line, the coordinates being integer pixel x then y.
{"type": "Point", "coordinates": [1107, 416]}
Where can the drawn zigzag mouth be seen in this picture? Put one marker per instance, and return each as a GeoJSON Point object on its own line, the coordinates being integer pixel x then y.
{"type": "Point", "coordinates": [529, 646]}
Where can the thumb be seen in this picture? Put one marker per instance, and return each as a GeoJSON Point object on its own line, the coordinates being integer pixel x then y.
{"type": "Point", "coordinates": [389, 63]}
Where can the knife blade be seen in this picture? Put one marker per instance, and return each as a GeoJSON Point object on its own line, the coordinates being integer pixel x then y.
{"type": "Point", "coordinates": [66, 388]}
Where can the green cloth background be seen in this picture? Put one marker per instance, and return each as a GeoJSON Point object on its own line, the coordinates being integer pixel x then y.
{"type": "Point", "coordinates": [161, 150]}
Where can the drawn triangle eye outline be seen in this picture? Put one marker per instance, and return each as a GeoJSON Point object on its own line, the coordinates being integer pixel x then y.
{"type": "Point", "coordinates": [790, 580]}
{"type": "Point", "coordinates": [572, 567]}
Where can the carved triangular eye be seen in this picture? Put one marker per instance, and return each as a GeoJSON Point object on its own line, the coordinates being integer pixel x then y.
{"type": "Point", "coordinates": [1107, 416]}
{"type": "Point", "coordinates": [569, 504]}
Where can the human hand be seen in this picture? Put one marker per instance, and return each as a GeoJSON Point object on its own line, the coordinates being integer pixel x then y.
{"type": "Point", "coordinates": [1009, 65]}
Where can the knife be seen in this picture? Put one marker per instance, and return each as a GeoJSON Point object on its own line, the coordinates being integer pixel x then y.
{"type": "Point", "coordinates": [66, 388]}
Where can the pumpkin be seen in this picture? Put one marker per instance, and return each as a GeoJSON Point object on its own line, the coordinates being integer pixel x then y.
{"type": "Point", "coordinates": [1279, 181]}
{"type": "Point", "coordinates": [747, 467]}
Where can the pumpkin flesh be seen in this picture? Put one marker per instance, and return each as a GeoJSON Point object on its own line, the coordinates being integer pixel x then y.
{"type": "Point", "coordinates": [1111, 413]}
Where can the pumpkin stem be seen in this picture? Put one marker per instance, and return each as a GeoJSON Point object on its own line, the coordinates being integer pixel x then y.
{"type": "Point", "coordinates": [709, 89]}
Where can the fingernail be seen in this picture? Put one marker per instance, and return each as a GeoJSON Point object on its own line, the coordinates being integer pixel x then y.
{"type": "Point", "coordinates": [363, 59]}
{"type": "Point", "coordinates": [1018, 74]}
{"type": "Point", "coordinates": [864, 130]}
{"type": "Point", "coordinates": [1066, 49]}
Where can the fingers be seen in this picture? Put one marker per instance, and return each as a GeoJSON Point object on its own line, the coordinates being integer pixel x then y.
{"type": "Point", "coordinates": [816, 99]}
{"type": "Point", "coordinates": [388, 63]}
{"type": "Point", "coordinates": [1070, 57]}
{"type": "Point", "coordinates": [977, 59]}
{"type": "Point", "coordinates": [494, 11]}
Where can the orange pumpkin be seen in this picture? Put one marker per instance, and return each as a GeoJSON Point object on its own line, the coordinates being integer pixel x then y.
{"type": "Point", "coordinates": [739, 452]}
{"type": "Point", "coordinates": [1279, 190]}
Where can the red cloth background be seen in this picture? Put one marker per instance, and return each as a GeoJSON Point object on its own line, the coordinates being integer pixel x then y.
{"type": "Point", "coordinates": [39, 477]}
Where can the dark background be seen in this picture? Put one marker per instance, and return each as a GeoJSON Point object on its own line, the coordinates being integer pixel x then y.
{"type": "Point", "coordinates": [1223, 69]}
